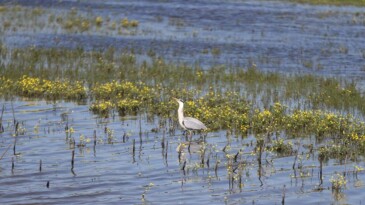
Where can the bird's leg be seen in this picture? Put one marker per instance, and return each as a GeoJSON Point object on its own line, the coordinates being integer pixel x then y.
{"type": "Point", "coordinates": [185, 133]}
{"type": "Point", "coordinates": [203, 136]}
{"type": "Point", "coordinates": [190, 135]}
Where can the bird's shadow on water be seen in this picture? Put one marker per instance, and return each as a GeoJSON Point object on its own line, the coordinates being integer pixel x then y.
{"type": "Point", "coordinates": [192, 150]}
{"type": "Point", "coordinates": [189, 134]}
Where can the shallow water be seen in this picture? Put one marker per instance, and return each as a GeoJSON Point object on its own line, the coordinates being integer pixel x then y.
{"type": "Point", "coordinates": [275, 36]}
{"type": "Point", "coordinates": [109, 172]}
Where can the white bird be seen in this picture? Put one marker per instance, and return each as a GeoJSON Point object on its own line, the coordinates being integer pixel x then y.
{"type": "Point", "coordinates": [188, 123]}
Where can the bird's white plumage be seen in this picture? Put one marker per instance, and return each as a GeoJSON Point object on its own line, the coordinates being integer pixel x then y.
{"type": "Point", "coordinates": [188, 123]}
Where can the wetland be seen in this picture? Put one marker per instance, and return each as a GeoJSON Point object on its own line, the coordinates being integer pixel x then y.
{"type": "Point", "coordinates": [87, 114]}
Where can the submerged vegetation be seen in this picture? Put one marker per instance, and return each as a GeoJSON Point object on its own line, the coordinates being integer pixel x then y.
{"type": "Point", "coordinates": [19, 18]}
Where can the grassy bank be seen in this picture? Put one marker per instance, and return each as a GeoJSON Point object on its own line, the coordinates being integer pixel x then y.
{"type": "Point", "coordinates": [333, 2]}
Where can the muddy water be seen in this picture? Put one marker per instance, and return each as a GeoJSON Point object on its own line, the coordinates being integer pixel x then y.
{"type": "Point", "coordinates": [275, 36]}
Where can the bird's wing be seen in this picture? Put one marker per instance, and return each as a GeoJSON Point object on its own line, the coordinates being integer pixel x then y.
{"type": "Point", "coordinates": [193, 124]}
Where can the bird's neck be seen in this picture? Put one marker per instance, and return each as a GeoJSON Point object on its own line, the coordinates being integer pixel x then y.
{"type": "Point", "coordinates": [180, 113]}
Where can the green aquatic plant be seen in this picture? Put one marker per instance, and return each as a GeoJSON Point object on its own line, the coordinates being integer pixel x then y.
{"type": "Point", "coordinates": [69, 21]}
{"type": "Point", "coordinates": [338, 182]}
{"type": "Point", "coordinates": [282, 148]}
{"type": "Point", "coordinates": [99, 20]}
{"type": "Point", "coordinates": [125, 22]}
{"type": "Point", "coordinates": [102, 107]}
{"type": "Point", "coordinates": [340, 151]}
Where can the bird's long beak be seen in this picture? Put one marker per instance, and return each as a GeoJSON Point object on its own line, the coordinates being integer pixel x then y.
{"type": "Point", "coordinates": [175, 99]}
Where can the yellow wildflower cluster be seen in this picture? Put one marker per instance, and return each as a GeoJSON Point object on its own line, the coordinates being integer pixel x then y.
{"type": "Point", "coordinates": [165, 109]}
{"type": "Point", "coordinates": [358, 168]}
{"type": "Point", "coordinates": [357, 137]}
{"type": "Point", "coordinates": [70, 130]}
{"type": "Point", "coordinates": [36, 87]}
{"type": "Point", "coordinates": [317, 122]}
{"type": "Point", "coordinates": [199, 74]}
{"type": "Point", "coordinates": [299, 120]}
{"type": "Point", "coordinates": [228, 111]}
{"type": "Point", "coordinates": [338, 182]}
{"type": "Point", "coordinates": [101, 107]}
{"type": "Point", "coordinates": [120, 90]}
{"type": "Point", "coordinates": [221, 112]}
{"type": "Point", "coordinates": [40, 88]}
{"type": "Point", "coordinates": [218, 110]}
{"type": "Point", "coordinates": [129, 23]}
{"type": "Point", "coordinates": [262, 121]}
{"type": "Point", "coordinates": [127, 104]}
{"type": "Point", "coordinates": [124, 96]}
{"type": "Point", "coordinates": [326, 122]}
{"type": "Point", "coordinates": [6, 86]}
{"type": "Point", "coordinates": [85, 25]}
{"type": "Point", "coordinates": [98, 20]}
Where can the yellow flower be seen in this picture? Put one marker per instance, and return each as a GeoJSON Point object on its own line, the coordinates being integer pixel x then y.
{"type": "Point", "coordinates": [99, 20]}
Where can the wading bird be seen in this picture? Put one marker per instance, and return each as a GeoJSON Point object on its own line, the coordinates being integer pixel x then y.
{"type": "Point", "coordinates": [188, 123]}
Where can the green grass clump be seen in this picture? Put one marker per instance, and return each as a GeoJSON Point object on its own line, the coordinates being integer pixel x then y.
{"type": "Point", "coordinates": [282, 148]}
{"type": "Point", "coordinates": [125, 22]}
{"type": "Point", "coordinates": [333, 2]}
{"type": "Point", "coordinates": [338, 182]}
{"type": "Point", "coordinates": [336, 151]}
{"type": "Point", "coordinates": [19, 18]}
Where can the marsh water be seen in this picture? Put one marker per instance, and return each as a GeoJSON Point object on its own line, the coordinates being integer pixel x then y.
{"type": "Point", "coordinates": [134, 159]}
